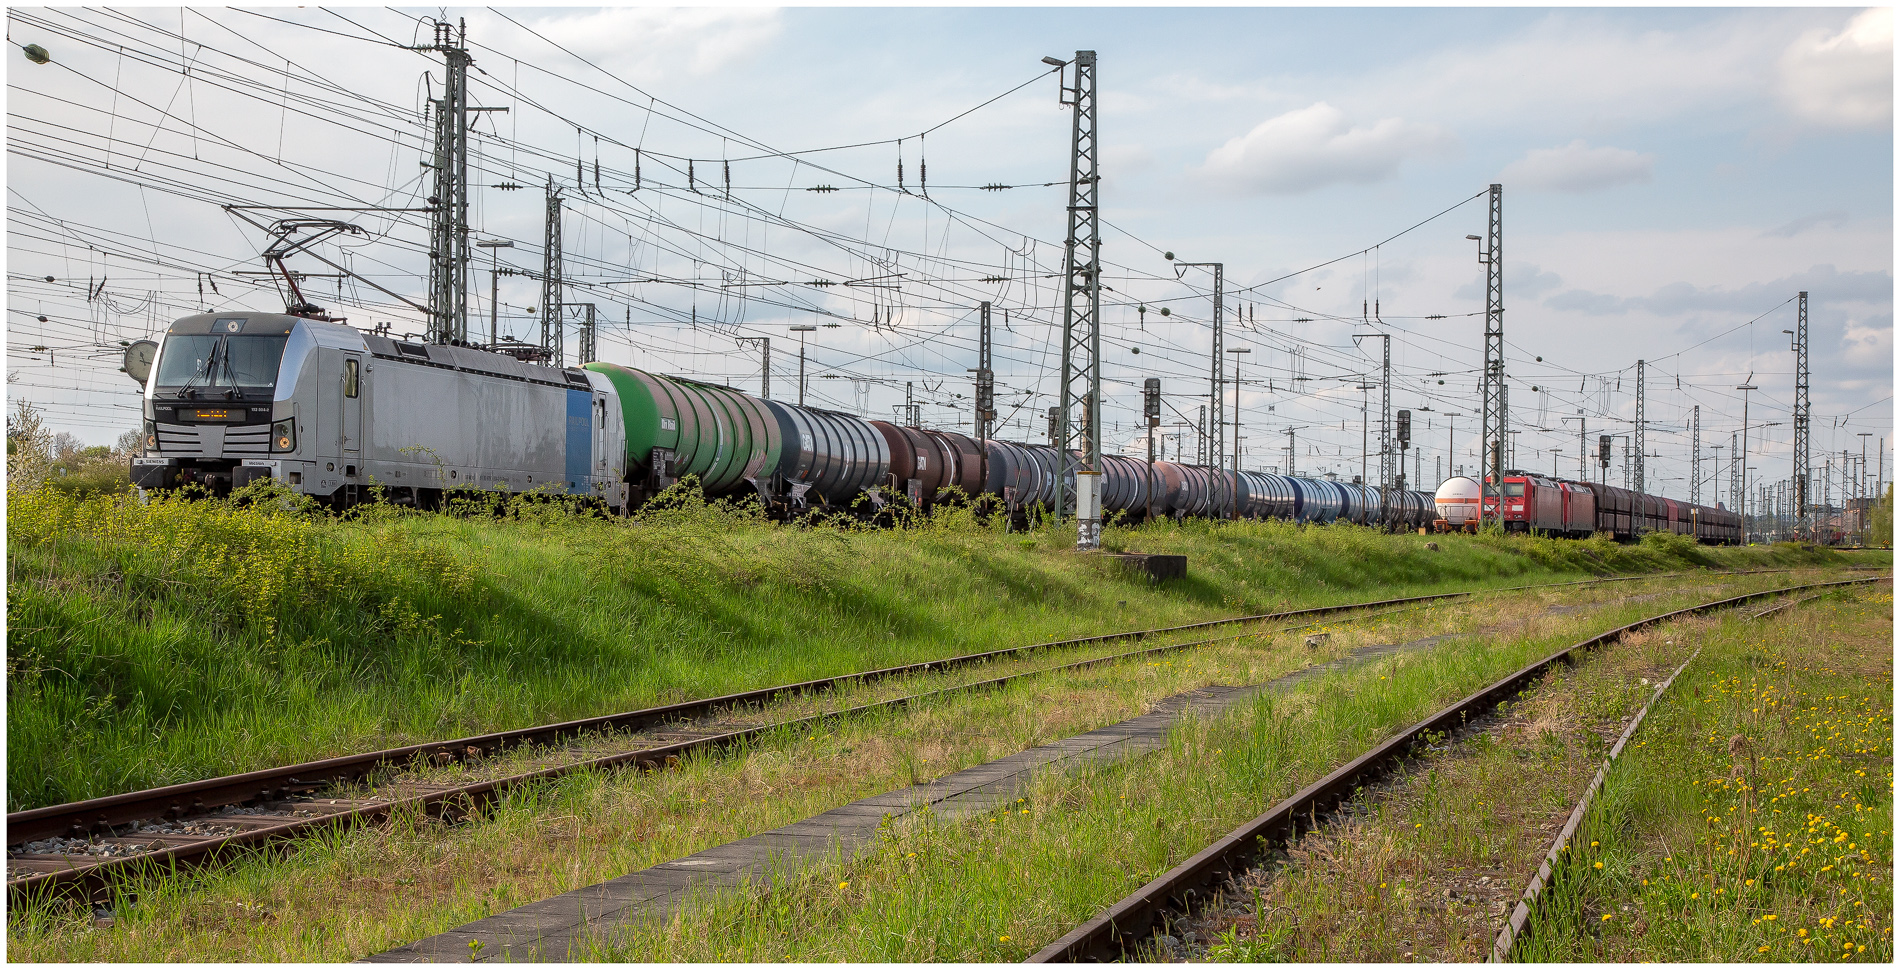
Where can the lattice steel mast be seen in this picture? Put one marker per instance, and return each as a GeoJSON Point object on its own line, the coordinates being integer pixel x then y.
{"type": "Point", "coordinates": [1492, 435]}
{"type": "Point", "coordinates": [1803, 526]}
{"type": "Point", "coordinates": [551, 337]}
{"type": "Point", "coordinates": [1082, 314]}
{"type": "Point", "coordinates": [448, 228]}
{"type": "Point", "coordinates": [1695, 455]}
{"type": "Point", "coordinates": [1388, 456]}
{"type": "Point", "coordinates": [1640, 425]}
{"type": "Point", "coordinates": [985, 379]}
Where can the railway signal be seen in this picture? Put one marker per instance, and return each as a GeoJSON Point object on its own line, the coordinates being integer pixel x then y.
{"type": "Point", "coordinates": [985, 378]}
{"type": "Point", "coordinates": [1404, 423]}
{"type": "Point", "coordinates": [1151, 409]}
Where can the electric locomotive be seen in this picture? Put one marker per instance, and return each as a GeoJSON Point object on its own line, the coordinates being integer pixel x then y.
{"type": "Point", "coordinates": [330, 410]}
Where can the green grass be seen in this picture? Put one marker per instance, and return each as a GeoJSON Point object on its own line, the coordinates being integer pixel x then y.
{"type": "Point", "coordinates": [1425, 868]}
{"type": "Point", "coordinates": [1753, 820]}
{"type": "Point", "coordinates": [341, 895]}
{"type": "Point", "coordinates": [154, 644]}
{"type": "Point", "coordinates": [1000, 886]}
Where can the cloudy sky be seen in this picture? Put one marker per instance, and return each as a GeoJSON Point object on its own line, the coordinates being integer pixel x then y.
{"type": "Point", "coordinates": [1671, 179]}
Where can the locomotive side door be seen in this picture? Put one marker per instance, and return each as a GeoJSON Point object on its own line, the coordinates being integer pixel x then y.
{"type": "Point", "coordinates": [352, 425]}
{"type": "Point", "coordinates": [600, 436]}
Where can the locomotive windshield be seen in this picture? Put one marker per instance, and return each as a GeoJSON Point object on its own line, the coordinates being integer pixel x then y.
{"type": "Point", "coordinates": [1513, 489]}
{"type": "Point", "coordinates": [190, 362]}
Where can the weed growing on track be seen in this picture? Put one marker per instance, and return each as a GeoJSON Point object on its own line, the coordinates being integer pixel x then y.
{"type": "Point", "coordinates": [1752, 820]}
{"type": "Point", "coordinates": [1425, 867]}
{"type": "Point", "coordinates": [348, 895]}
{"type": "Point", "coordinates": [1002, 885]}
{"type": "Point", "coordinates": [180, 639]}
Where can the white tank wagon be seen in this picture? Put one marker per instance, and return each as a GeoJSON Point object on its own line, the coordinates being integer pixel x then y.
{"type": "Point", "coordinates": [328, 410]}
{"type": "Point", "coordinates": [1457, 501]}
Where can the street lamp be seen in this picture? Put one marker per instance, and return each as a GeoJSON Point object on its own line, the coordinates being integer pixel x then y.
{"type": "Point", "coordinates": [1237, 351]}
{"type": "Point", "coordinates": [1215, 437]}
{"type": "Point", "coordinates": [1745, 387]}
{"type": "Point", "coordinates": [494, 275]}
{"type": "Point", "coordinates": [1451, 441]}
{"type": "Point", "coordinates": [1860, 485]}
{"type": "Point", "coordinates": [802, 330]}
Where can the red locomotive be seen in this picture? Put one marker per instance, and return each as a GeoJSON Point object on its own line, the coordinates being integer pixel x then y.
{"type": "Point", "coordinates": [1559, 507]}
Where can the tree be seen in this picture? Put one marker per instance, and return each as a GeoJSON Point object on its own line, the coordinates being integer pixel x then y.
{"type": "Point", "coordinates": [1880, 521]}
{"type": "Point", "coordinates": [29, 446]}
{"type": "Point", "coordinates": [66, 448]}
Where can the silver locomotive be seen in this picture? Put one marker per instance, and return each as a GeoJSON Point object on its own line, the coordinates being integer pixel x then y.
{"type": "Point", "coordinates": [330, 410]}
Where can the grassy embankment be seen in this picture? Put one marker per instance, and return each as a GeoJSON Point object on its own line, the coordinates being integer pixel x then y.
{"type": "Point", "coordinates": [182, 639]}
{"type": "Point", "coordinates": [1753, 821]}
{"type": "Point", "coordinates": [340, 896]}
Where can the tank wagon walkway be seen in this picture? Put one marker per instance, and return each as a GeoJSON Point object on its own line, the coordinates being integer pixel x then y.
{"type": "Point", "coordinates": [564, 927]}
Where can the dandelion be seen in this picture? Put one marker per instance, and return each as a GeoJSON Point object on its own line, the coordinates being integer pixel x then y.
{"type": "Point", "coordinates": [844, 885]}
{"type": "Point", "coordinates": [1599, 865]}
{"type": "Point", "coordinates": [1002, 939]}
{"type": "Point", "coordinates": [1608, 917]}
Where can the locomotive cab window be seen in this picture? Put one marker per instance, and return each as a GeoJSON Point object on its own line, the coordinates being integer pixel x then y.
{"type": "Point", "coordinates": [189, 362]}
{"type": "Point", "coordinates": [349, 378]}
{"type": "Point", "coordinates": [1514, 489]}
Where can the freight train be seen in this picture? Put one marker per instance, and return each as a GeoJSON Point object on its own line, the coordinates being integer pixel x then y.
{"type": "Point", "coordinates": [1561, 507]}
{"type": "Point", "coordinates": [330, 410]}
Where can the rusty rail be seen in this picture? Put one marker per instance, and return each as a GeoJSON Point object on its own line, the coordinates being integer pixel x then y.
{"type": "Point", "coordinates": [199, 799]}
{"type": "Point", "coordinates": [1521, 916]}
{"type": "Point", "coordinates": [1107, 935]}
{"type": "Point", "coordinates": [1546, 872]}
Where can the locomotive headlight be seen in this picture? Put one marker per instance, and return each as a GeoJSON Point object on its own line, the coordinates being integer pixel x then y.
{"type": "Point", "coordinates": [151, 437]}
{"type": "Point", "coordinates": [283, 435]}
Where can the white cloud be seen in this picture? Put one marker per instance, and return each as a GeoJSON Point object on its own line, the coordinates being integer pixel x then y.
{"type": "Point", "coordinates": [1582, 67]}
{"type": "Point", "coordinates": [1317, 146]}
{"type": "Point", "coordinates": [1577, 167]}
{"type": "Point", "coordinates": [1846, 79]}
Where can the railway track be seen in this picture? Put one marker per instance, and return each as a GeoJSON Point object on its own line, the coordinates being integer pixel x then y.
{"type": "Point", "coordinates": [83, 848]}
{"type": "Point", "coordinates": [1527, 904]}
{"type": "Point", "coordinates": [1113, 933]}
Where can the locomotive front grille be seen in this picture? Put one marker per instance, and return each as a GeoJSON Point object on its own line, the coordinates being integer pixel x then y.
{"type": "Point", "coordinates": [179, 439]}
{"type": "Point", "coordinates": [213, 440]}
{"type": "Point", "coordinates": [251, 439]}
